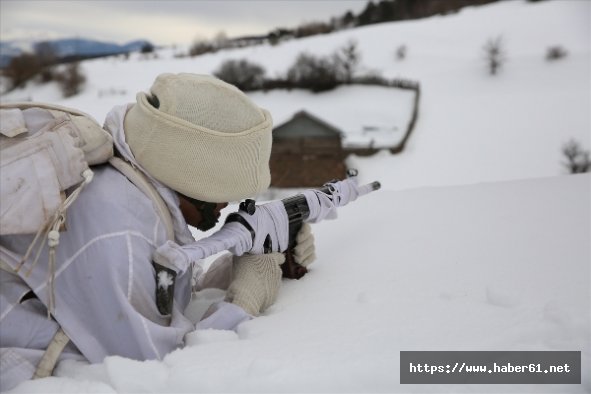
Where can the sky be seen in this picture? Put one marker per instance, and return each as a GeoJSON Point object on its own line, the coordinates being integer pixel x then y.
{"type": "Point", "coordinates": [161, 22]}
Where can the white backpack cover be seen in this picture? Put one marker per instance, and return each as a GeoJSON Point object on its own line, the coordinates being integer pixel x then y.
{"type": "Point", "coordinates": [45, 154]}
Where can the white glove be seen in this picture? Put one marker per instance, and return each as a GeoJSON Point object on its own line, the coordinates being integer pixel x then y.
{"type": "Point", "coordinates": [256, 281]}
{"type": "Point", "coordinates": [304, 253]}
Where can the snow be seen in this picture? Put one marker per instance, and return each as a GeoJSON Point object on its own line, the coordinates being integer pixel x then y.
{"type": "Point", "coordinates": [462, 268]}
{"type": "Point", "coordinates": [478, 239]}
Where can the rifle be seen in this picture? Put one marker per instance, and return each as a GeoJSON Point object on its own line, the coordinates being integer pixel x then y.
{"type": "Point", "coordinates": [265, 228]}
{"type": "Point", "coordinates": [298, 212]}
{"type": "Point", "coordinates": [272, 226]}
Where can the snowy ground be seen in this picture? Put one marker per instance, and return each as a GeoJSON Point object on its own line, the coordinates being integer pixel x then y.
{"type": "Point", "coordinates": [477, 241]}
{"type": "Point", "coordinates": [501, 266]}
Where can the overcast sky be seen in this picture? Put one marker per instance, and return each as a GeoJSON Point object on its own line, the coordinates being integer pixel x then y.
{"type": "Point", "coordinates": [161, 22]}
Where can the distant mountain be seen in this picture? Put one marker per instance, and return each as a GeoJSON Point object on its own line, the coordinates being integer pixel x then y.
{"type": "Point", "coordinates": [68, 48]}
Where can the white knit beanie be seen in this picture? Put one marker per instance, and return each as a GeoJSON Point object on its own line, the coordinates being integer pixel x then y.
{"type": "Point", "coordinates": [206, 140]}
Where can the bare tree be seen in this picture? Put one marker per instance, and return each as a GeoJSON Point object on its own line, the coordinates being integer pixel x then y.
{"type": "Point", "coordinates": [346, 61]}
{"type": "Point", "coordinates": [401, 52]}
{"type": "Point", "coordinates": [220, 41]}
{"type": "Point", "coordinates": [495, 54]}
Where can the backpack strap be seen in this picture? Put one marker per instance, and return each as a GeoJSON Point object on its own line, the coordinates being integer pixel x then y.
{"type": "Point", "coordinates": [60, 339]}
{"type": "Point", "coordinates": [50, 107]}
{"type": "Point", "coordinates": [49, 359]}
{"type": "Point", "coordinates": [164, 294]}
{"type": "Point", "coordinates": [139, 180]}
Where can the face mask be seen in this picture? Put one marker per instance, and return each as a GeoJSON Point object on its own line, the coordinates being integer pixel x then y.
{"type": "Point", "coordinates": [208, 216]}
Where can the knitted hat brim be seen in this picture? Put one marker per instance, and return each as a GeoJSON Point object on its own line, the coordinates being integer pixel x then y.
{"type": "Point", "coordinates": [201, 163]}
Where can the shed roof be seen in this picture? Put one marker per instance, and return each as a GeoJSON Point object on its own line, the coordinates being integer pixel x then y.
{"type": "Point", "coordinates": [304, 124]}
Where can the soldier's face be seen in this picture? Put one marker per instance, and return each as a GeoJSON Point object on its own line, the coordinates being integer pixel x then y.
{"type": "Point", "coordinates": [200, 214]}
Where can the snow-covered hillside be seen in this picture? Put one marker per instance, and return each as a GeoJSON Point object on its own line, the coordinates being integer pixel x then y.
{"type": "Point", "coordinates": [477, 240]}
{"type": "Point", "coordinates": [472, 127]}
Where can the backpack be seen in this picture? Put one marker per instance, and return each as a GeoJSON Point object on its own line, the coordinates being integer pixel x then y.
{"type": "Point", "coordinates": [46, 151]}
{"type": "Point", "coordinates": [45, 156]}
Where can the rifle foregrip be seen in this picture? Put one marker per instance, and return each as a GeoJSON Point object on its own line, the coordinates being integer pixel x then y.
{"type": "Point", "coordinates": [297, 211]}
{"type": "Point", "coordinates": [290, 268]}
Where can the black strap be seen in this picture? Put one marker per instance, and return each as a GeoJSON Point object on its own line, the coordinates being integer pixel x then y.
{"type": "Point", "coordinates": [234, 217]}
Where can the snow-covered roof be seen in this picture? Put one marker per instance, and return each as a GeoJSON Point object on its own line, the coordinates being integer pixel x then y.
{"type": "Point", "coordinates": [305, 124]}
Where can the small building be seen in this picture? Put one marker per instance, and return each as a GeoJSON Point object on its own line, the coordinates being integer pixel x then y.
{"type": "Point", "coordinates": [307, 152]}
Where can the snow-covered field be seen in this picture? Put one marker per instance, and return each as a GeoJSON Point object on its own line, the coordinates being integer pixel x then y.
{"type": "Point", "coordinates": [478, 239]}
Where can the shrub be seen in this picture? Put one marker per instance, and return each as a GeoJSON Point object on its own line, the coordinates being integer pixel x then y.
{"type": "Point", "coordinates": [147, 48]}
{"type": "Point", "coordinates": [279, 83]}
{"type": "Point", "coordinates": [200, 47]}
{"type": "Point", "coordinates": [578, 160]}
{"type": "Point", "coordinates": [243, 74]}
{"type": "Point", "coordinates": [47, 74]}
{"type": "Point", "coordinates": [313, 28]}
{"type": "Point", "coordinates": [278, 35]}
{"type": "Point", "coordinates": [22, 68]}
{"type": "Point", "coordinates": [314, 73]}
{"type": "Point", "coordinates": [71, 80]}
{"type": "Point", "coordinates": [555, 53]}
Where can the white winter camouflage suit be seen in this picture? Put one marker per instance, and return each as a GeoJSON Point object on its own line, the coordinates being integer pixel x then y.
{"type": "Point", "coordinates": [104, 280]}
